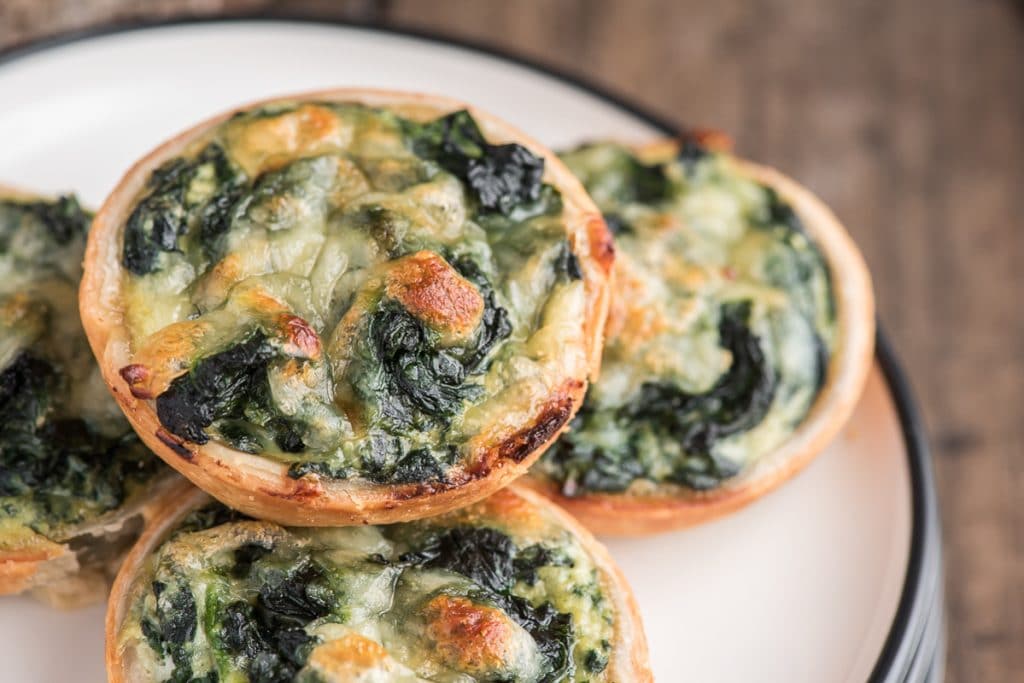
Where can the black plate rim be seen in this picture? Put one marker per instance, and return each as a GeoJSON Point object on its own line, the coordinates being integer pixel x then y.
{"type": "Point", "coordinates": [913, 607]}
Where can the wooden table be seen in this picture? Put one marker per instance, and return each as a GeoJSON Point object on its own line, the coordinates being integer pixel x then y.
{"type": "Point", "coordinates": [907, 116]}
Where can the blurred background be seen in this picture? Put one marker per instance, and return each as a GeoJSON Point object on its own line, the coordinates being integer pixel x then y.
{"type": "Point", "coordinates": [906, 116]}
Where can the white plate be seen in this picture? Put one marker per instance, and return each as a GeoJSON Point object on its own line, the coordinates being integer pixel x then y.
{"type": "Point", "coordinates": [801, 586]}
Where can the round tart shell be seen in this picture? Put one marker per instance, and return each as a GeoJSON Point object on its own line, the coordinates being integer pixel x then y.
{"type": "Point", "coordinates": [662, 508]}
{"type": "Point", "coordinates": [629, 659]}
{"type": "Point", "coordinates": [260, 486]}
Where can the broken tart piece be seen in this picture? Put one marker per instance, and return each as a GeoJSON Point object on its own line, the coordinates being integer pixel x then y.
{"type": "Point", "coordinates": [76, 484]}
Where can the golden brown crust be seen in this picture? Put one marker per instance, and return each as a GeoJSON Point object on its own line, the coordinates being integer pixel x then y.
{"type": "Point", "coordinates": [260, 486]}
{"type": "Point", "coordinates": [514, 507]}
{"type": "Point", "coordinates": [21, 563]}
{"type": "Point", "coordinates": [666, 508]}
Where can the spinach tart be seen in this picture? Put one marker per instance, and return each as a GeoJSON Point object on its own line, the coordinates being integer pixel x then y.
{"type": "Point", "coordinates": [76, 484]}
{"type": "Point", "coordinates": [510, 588]}
{"type": "Point", "coordinates": [349, 306]}
{"type": "Point", "coordinates": [739, 338]}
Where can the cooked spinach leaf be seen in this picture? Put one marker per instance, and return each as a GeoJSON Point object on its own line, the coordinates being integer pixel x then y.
{"type": "Point", "coordinates": [60, 463]}
{"type": "Point", "coordinates": [418, 379]}
{"type": "Point", "coordinates": [501, 177]}
{"type": "Point", "coordinates": [229, 385]}
{"type": "Point", "coordinates": [643, 183]}
{"type": "Point", "coordinates": [596, 661]}
{"type": "Point", "coordinates": [217, 387]}
{"type": "Point", "coordinates": [779, 212]}
{"type": "Point", "coordinates": [617, 225]}
{"type": "Point", "coordinates": [174, 627]}
{"type": "Point", "coordinates": [294, 599]}
{"type": "Point", "coordinates": [495, 324]}
{"type": "Point", "coordinates": [63, 218]}
{"type": "Point", "coordinates": [491, 560]}
{"type": "Point", "coordinates": [324, 469]}
{"type": "Point", "coordinates": [208, 516]}
{"type": "Point", "coordinates": [389, 463]}
{"type": "Point", "coordinates": [690, 152]}
{"type": "Point", "coordinates": [567, 265]}
{"type": "Point", "coordinates": [416, 384]}
{"type": "Point", "coordinates": [485, 556]}
{"type": "Point", "coordinates": [180, 191]}
{"type": "Point", "coordinates": [245, 555]}
{"type": "Point", "coordinates": [266, 636]}
{"type": "Point", "coordinates": [553, 631]}
{"type": "Point", "coordinates": [736, 403]}
{"type": "Point", "coordinates": [176, 611]}
{"type": "Point", "coordinates": [528, 560]}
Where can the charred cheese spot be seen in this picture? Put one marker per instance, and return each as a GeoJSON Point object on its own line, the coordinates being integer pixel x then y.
{"type": "Point", "coordinates": [164, 356]}
{"type": "Point", "coordinates": [353, 658]}
{"type": "Point", "coordinates": [477, 639]}
{"type": "Point", "coordinates": [301, 338]}
{"type": "Point", "coordinates": [429, 288]}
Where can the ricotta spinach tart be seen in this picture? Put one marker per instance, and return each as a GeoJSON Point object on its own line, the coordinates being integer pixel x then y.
{"type": "Point", "coordinates": [739, 337]}
{"type": "Point", "coordinates": [348, 307]}
{"type": "Point", "coordinates": [510, 588]}
{"type": "Point", "coordinates": [75, 482]}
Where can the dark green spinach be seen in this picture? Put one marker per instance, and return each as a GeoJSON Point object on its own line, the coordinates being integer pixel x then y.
{"type": "Point", "coordinates": [492, 561]}
{"type": "Point", "coordinates": [229, 385]}
{"type": "Point", "coordinates": [64, 219]}
{"type": "Point", "coordinates": [57, 461]}
{"type": "Point", "coordinates": [495, 324]}
{"type": "Point", "coordinates": [736, 403]}
{"type": "Point", "coordinates": [169, 208]}
{"type": "Point", "coordinates": [418, 379]}
{"type": "Point", "coordinates": [501, 177]}
{"type": "Point", "coordinates": [217, 387]}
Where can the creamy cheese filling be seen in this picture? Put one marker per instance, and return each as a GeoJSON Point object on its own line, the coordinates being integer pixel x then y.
{"type": "Point", "coordinates": [67, 455]}
{"type": "Point", "coordinates": [720, 329]}
{"type": "Point", "coordinates": [464, 597]}
{"type": "Point", "coordinates": [351, 292]}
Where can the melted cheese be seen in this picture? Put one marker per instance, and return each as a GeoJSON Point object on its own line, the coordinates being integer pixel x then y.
{"type": "Point", "coordinates": [335, 217]}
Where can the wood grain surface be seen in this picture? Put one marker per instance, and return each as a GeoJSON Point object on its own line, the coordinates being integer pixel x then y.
{"type": "Point", "coordinates": [907, 116]}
